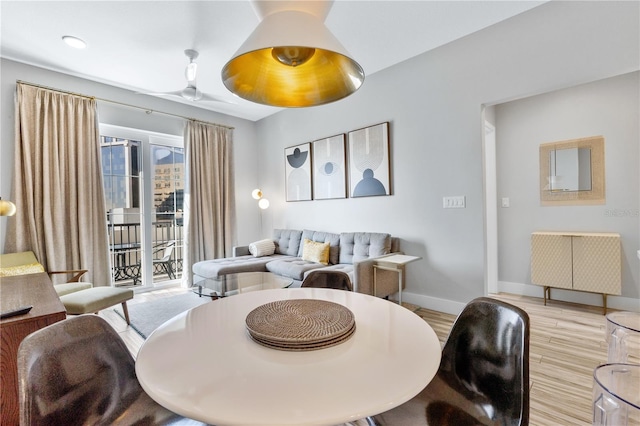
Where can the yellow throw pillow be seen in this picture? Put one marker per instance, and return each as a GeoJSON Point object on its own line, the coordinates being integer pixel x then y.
{"type": "Point", "coordinates": [315, 252]}
{"type": "Point", "coordinates": [29, 268]}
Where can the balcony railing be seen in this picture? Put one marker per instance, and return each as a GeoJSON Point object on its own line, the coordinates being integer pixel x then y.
{"type": "Point", "coordinates": [126, 251]}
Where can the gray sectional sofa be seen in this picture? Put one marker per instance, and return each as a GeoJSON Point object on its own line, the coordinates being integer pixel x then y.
{"type": "Point", "coordinates": [350, 252]}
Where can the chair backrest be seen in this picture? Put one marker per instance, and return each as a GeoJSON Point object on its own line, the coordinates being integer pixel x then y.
{"type": "Point", "coordinates": [79, 371]}
{"type": "Point", "coordinates": [486, 360]}
{"type": "Point", "coordinates": [168, 250]}
{"type": "Point", "coordinates": [328, 279]}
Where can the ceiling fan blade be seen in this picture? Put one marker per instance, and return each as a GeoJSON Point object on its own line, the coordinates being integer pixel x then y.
{"type": "Point", "coordinates": [181, 94]}
{"type": "Point", "coordinates": [175, 93]}
{"type": "Point", "coordinates": [191, 92]}
{"type": "Point", "coordinates": [210, 98]}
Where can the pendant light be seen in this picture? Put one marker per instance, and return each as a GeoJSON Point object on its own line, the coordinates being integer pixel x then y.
{"type": "Point", "coordinates": [7, 208]}
{"type": "Point", "coordinates": [291, 59]}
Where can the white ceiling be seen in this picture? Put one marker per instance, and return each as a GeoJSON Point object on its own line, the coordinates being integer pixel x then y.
{"type": "Point", "coordinates": [138, 45]}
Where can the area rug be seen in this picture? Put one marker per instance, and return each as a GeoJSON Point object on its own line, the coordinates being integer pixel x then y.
{"type": "Point", "coordinates": [147, 316]}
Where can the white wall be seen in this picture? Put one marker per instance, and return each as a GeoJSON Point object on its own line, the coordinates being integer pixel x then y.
{"type": "Point", "coordinates": [609, 107]}
{"type": "Point", "coordinates": [244, 134]}
{"type": "Point", "coordinates": [434, 104]}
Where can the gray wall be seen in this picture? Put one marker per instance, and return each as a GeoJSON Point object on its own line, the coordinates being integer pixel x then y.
{"type": "Point", "coordinates": [244, 133]}
{"type": "Point", "coordinates": [434, 104]}
{"type": "Point", "coordinates": [610, 108]}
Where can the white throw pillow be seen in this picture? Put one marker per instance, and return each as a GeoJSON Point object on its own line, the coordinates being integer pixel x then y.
{"type": "Point", "coordinates": [262, 248]}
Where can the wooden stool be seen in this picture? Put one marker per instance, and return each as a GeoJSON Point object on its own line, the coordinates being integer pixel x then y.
{"type": "Point", "coordinates": [95, 299]}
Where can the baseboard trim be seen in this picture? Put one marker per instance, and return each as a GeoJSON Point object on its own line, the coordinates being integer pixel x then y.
{"type": "Point", "coordinates": [581, 297]}
{"type": "Point", "coordinates": [454, 307]}
{"type": "Point", "coordinates": [433, 303]}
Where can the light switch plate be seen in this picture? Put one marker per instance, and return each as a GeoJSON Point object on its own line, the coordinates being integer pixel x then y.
{"type": "Point", "coordinates": [457, 202]}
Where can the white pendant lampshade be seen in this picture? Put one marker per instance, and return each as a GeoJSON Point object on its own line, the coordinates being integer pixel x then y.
{"type": "Point", "coordinates": [263, 203]}
{"type": "Point", "coordinates": [292, 60]}
{"type": "Point", "coordinates": [256, 194]}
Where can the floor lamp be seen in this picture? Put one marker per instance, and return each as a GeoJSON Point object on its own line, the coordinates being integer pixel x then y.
{"type": "Point", "coordinates": [263, 203]}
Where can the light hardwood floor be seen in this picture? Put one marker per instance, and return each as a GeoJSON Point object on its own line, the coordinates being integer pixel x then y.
{"type": "Point", "coordinates": [567, 343]}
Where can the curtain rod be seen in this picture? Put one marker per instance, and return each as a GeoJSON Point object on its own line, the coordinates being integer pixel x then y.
{"type": "Point", "coordinates": [147, 110]}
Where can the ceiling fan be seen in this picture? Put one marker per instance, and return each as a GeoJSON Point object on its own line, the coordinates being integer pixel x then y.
{"type": "Point", "coordinates": [191, 92]}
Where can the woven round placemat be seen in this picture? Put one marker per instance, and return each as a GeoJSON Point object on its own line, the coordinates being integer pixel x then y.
{"type": "Point", "coordinates": [300, 324]}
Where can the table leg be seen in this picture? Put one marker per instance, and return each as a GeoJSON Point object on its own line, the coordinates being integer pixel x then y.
{"type": "Point", "coordinates": [400, 286]}
{"type": "Point", "coordinates": [375, 274]}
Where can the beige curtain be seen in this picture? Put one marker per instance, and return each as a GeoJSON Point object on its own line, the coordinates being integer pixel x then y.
{"type": "Point", "coordinates": [210, 218]}
{"type": "Point", "coordinates": [57, 184]}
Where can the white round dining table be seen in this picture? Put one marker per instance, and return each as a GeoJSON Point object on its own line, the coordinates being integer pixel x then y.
{"type": "Point", "coordinates": [204, 365]}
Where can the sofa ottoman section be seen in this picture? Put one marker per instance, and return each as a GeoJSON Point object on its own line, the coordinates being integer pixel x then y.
{"type": "Point", "coordinates": [208, 269]}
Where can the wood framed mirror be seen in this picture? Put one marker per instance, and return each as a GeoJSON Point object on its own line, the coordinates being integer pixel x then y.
{"type": "Point", "coordinates": [572, 172]}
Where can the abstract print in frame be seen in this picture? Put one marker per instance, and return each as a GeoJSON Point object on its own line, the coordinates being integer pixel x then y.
{"type": "Point", "coordinates": [369, 161]}
{"type": "Point", "coordinates": [329, 174]}
{"type": "Point", "coordinates": [298, 172]}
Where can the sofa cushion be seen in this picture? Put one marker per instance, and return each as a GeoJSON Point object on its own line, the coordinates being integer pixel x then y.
{"type": "Point", "coordinates": [262, 248]}
{"type": "Point", "coordinates": [287, 241]}
{"type": "Point", "coordinates": [315, 252]}
{"type": "Point", "coordinates": [292, 267]}
{"type": "Point", "coordinates": [324, 237]}
{"type": "Point", "coordinates": [358, 246]}
{"type": "Point", "coordinates": [95, 299]}
{"type": "Point", "coordinates": [68, 288]}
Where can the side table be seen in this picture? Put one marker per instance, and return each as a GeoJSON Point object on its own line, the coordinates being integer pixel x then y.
{"type": "Point", "coordinates": [395, 263]}
{"type": "Point", "coordinates": [32, 289]}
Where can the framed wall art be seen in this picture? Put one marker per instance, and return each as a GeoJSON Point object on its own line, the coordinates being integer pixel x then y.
{"type": "Point", "coordinates": [298, 172]}
{"type": "Point", "coordinates": [369, 161]}
{"type": "Point", "coordinates": [329, 171]}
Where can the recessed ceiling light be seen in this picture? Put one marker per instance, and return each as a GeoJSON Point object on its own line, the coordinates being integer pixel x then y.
{"type": "Point", "coordinates": [74, 42]}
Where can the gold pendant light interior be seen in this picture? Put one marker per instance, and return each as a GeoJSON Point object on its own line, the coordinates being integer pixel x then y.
{"type": "Point", "coordinates": [292, 60]}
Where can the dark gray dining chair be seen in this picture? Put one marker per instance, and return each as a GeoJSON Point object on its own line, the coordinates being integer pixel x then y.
{"type": "Point", "coordinates": [483, 378]}
{"type": "Point", "coordinates": [79, 372]}
{"type": "Point", "coordinates": [328, 279]}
